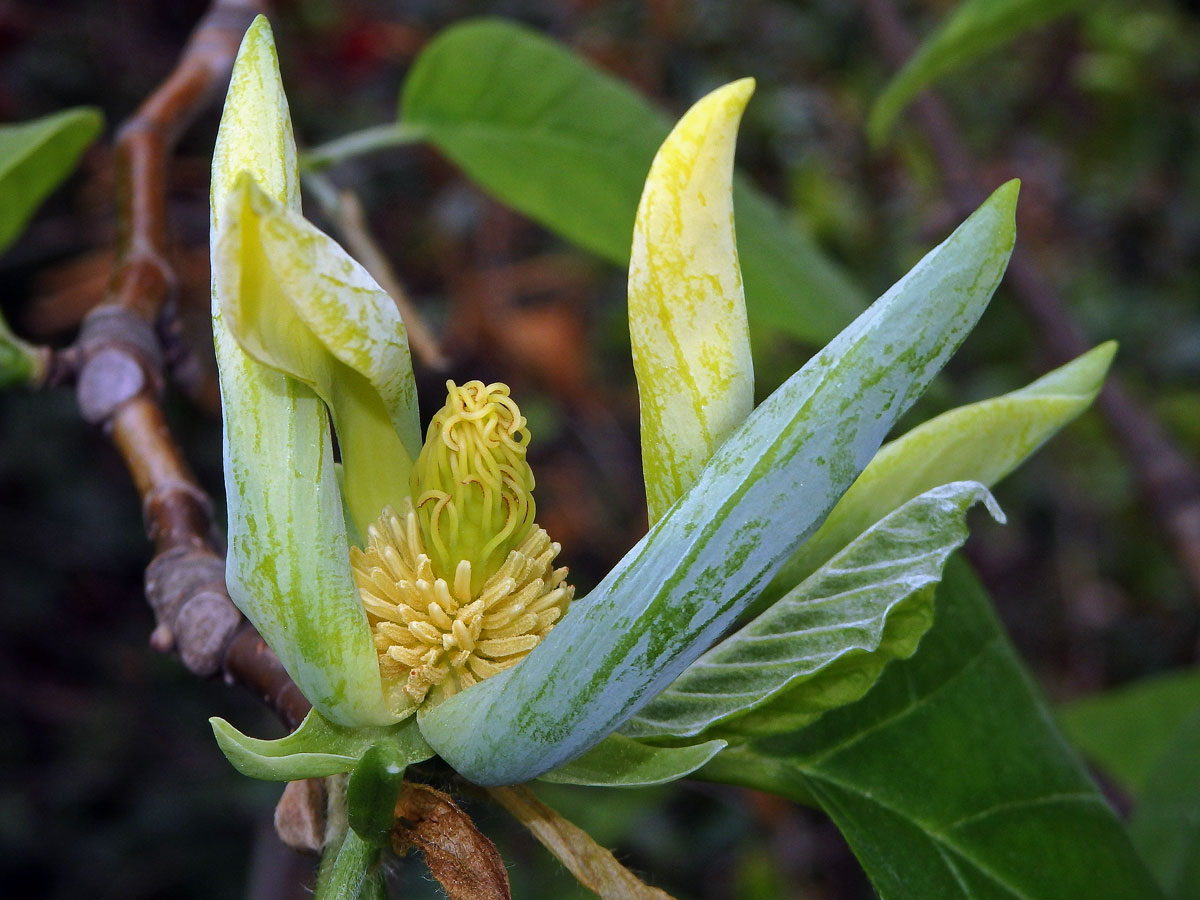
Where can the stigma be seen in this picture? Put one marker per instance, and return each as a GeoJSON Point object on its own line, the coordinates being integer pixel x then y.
{"type": "Point", "coordinates": [471, 488]}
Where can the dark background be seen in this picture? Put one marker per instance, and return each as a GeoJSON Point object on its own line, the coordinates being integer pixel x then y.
{"type": "Point", "coordinates": [111, 784]}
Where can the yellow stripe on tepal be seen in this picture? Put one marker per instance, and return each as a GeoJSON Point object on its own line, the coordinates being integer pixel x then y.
{"type": "Point", "coordinates": [687, 312]}
{"type": "Point", "coordinates": [256, 127]}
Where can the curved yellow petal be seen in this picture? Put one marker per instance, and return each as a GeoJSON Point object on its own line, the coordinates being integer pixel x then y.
{"type": "Point", "coordinates": [256, 127]}
{"type": "Point", "coordinates": [296, 301]}
{"type": "Point", "coordinates": [687, 312]}
{"type": "Point", "coordinates": [288, 566]}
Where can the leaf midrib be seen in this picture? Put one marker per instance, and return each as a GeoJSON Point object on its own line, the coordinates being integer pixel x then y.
{"type": "Point", "coordinates": [939, 838]}
{"type": "Point", "coordinates": [913, 705]}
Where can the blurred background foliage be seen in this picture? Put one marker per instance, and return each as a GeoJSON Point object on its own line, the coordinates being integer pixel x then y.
{"type": "Point", "coordinates": [113, 786]}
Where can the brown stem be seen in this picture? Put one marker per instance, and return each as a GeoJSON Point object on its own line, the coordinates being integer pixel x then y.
{"type": "Point", "coordinates": [592, 865]}
{"type": "Point", "coordinates": [252, 664]}
{"type": "Point", "coordinates": [118, 366]}
{"type": "Point", "coordinates": [346, 213]}
{"type": "Point", "coordinates": [352, 222]}
{"type": "Point", "coordinates": [1168, 480]}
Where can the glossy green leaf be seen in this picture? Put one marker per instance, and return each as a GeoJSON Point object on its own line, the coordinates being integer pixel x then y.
{"type": "Point", "coordinates": [618, 761]}
{"type": "Point", "coordinates": [980, 442]}
{"type": "Point", "coordinates": [949, 779]}
{"type": "Point", "coordinates": [823, 644]}
{"type": "Point", "coordinates": [296, 301]}
{"type": "Point", "coordinates": [1166, 822]}
{"type": "Point", "coordinates": [35, 157]}
{"type": "Point", "coordinates": [974, 28]}
{"type": "Point", "coordinates": [687, 315]}
{"type": "Point", "coordinates": [493, 95]}
{"type": "Point", "coordinates": [766, 489]}
{"type": "Point", "coordinates": [288, 566]}
{"type": "Point", "coordinates": [315, 749]}
{"type": "Point", "coordinates": [1126, 731]}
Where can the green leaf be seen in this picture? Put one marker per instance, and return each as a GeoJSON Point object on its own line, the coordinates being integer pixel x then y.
{"type": "Point", "coordinates": [981, 442]}
{"type": "Point", "coordinates": [618, 761]}
{"type": "Point", "coordinates": [973, 29]}
{"type": "Point", "coordinates": [316, 749]}
{"type": "Point", "coordinates": [555, 138]}
{"type": "Point", "coordinates": [1125, 731]}
{"type": "Point", "coordinates": [766, 489]}
{"type": "Point", "coordinates": [34, 159]}
{"type": "Point", "coordinates": [949, 779]}
{"type": "Point", "coordinates": [824, 644]}
{"type": "Point", "coordinates": [1166, 823]}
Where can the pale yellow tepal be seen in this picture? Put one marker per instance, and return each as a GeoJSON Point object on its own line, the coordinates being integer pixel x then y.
{"type": "Point", "coordinates": [687, 313]}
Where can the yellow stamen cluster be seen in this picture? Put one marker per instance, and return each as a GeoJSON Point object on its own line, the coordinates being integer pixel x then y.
{"type": "Point", "coordinates": [471, 485]}
{"type": "Point", "coordinates": [436, 637]}
{"type": "Point", "coordinates": [460, 584]}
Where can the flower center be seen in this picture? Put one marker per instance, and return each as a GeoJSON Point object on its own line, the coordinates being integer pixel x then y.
{"type": "Point", "coordinates": [459, 584]}
{"type": "Point", "coordinates": [439, 636]}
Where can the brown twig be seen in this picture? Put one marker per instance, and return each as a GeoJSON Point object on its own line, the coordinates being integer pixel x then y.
{"type": "Point", "coordinates": [118, 368]}
{"type": "Point", "coordinates": [1168, 480]}
{"type": "Point", "coordinates": [117, 364]}
{"type": "Point", "coordinates": [346, 214]}
{"type": "Point", "coordinates": [592, 865]}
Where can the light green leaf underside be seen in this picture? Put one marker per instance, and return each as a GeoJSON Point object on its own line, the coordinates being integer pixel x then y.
{"type": "Point", "coordinates": [35, 157]}
{"type": "Point", "coordinates": [972, 29]}
{"type": "Point", "coordinates": [317, 748]}
{"type": "Point", "coordinates": [618, 761]}
{"type": "Point", "coordinates": [297, 302]}
{"type": "Point", "coordinates": [687, 315]}
{"type": "Point", "coordinates": [1166, 823]}
{"type": "Point", "coordinates": [823, 644]}
{"type": "Point", "coordinates": [768, 487]}
{"type": "Point", "coordinates": [1125, 731]}
{"type": "Point", "coordinates": [288, 565]}
{"type": "Point", "coordinates": [493, 95]}
{"type": "Point", "coordinates": [948, 779]}
{"type": "Point", "coordinates": [981, 442]}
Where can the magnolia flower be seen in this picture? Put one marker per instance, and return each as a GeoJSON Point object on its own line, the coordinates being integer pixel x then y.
{"type": "Point", "coordinates": [409, 591]}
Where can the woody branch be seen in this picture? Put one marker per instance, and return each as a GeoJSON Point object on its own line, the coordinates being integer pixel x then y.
{"type": "Point", "coordinates": [117, 365]}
